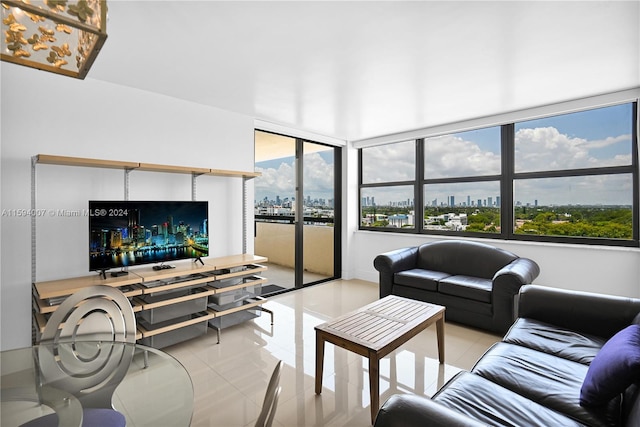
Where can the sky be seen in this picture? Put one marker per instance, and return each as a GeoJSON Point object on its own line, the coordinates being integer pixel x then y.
{"type": "Point", "coordinates": [594, 138]}
{"type": "Point", "coordinates": [278, 177]}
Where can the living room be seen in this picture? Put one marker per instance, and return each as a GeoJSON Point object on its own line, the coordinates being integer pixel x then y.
{"type": "Point", "coordinates": [344, 75]}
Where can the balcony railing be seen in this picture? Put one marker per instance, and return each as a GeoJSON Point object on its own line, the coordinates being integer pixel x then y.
{"type": "Point", "coordinates": [275, 239]}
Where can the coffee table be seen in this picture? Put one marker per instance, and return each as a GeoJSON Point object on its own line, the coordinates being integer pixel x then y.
{"type": "Point", "coordinates": [375, 330]}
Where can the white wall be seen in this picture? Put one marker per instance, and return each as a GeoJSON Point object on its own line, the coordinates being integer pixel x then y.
{"type": "Point", "coordinates": [50, 114]}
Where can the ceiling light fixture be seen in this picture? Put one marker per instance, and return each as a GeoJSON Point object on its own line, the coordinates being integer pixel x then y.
{"type": "Point", "coordinates": [60, 36]}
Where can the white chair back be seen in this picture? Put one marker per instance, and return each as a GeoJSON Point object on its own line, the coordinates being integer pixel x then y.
{"type": "Point", "coordinates": [100, 313]}
{"type": "Point", "coordinates": [88, 344]}
{"type": "Point", "coordinates": [270, 403]}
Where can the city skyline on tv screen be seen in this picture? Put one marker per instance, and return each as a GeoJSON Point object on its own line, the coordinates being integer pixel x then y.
{"type": "Point", "coordinates": [127, 233]}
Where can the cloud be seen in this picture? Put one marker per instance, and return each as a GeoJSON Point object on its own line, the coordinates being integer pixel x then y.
{"type": "Point", "coordinates": [545, 148]}
{"type": "Point", "coordinates": [611, 140]}
{"type": "Point", "coordinates": [389, 163]}
{"type": "Point", "coordinates": [318, 179]}
{"type": "Point", "coordinates": [275, 182]}
{"type": "Point", "coordinates": [452, 156]}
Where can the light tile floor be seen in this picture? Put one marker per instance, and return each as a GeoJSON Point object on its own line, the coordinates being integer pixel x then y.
{"type": "Point", "coordinates": [230, 378]}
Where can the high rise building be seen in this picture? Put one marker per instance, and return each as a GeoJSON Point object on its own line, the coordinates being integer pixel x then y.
{"type": "Point", "coordinates": [170, 229]}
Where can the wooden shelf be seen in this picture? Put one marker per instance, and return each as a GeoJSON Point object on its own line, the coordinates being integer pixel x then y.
{"type": "Point", "coordinates": [149, 167]}
{"type": "Point", "coordinates": [64, 287]}
{"type": "Point", "coordinates": [256, 280]}
{"type": "Point", "coordinates": [172, 169]}
{"type": "Point", "coordinates": [234, 261]}
{"type": "Point", "coordinates": [251, 303]}
{"type": "Point", "coordinates": [146, 333]}
{"type": "Point", "coordinates": [151, 305]}
{"type": "Point", "coordinates": [79, 161]}
{"type": "Point", "coordinates": [184, 268]}
{"type": "Point", "coordinates": [228, 173]}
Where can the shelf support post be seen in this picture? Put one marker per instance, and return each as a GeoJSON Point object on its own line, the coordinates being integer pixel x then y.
{"type": "Point", "coordinates": [127, 171]}
{"type": "Point", "coordinates": [194, 175]}
{"type": "Point", "coordinates": [244, 214]}
{"type": "Point", "coordinates": [34, 162]}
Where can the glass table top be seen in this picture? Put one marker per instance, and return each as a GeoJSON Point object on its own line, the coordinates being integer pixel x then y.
{"type": "Point", "coordinates": [148, 386]}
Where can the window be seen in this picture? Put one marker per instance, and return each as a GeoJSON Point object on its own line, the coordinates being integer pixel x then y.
{"type": "Point", "coordinates": [589, 139]}
{"type": "Point", "coordinates": [387, 191]}
{"type": "Point", "coordinates": [462, 182]}
{"type": "Point", "coordinates": [389, 163]}
{"type": "Point", "coordinates": [597, 206]}
{"type": "Point", "coordinates": [573, 175]}
{"type": "Point", "coordinates": [469, 206]}
{"type": "Point", "coordinates": [567, 178]}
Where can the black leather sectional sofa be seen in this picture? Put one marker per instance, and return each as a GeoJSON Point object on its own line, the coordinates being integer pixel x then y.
{"type": "Point", "coordinates": [476, 282]}
{"type": "Point", "coordinates": [568, 360]}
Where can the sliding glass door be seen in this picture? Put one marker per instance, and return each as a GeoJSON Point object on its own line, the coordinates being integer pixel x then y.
{"type": "Point", "coordinates": [296, 221]}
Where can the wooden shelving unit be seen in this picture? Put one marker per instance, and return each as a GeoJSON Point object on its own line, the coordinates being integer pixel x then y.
{"type": "Point", "coordinates": [171, 305]}
{"type": "Point", "coordinates": [177, 289]}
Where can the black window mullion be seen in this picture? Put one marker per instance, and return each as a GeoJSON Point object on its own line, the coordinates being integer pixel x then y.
{"type": "Point", "coordinates": [635, 173]}
{"type": "Point", "coordinates": [360, 188]}
{"type": "Point", "coordinates": [418, 203]}
{"type": "Point", "coordinates": [507, 216]}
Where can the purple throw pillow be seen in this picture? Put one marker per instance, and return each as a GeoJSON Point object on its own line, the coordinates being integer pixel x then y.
{"type": "Point", "coordinates": [615, 367]}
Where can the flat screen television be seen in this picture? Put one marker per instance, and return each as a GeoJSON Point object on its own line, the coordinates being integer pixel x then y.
{"type": "Point", "coordinates": [128, 233]}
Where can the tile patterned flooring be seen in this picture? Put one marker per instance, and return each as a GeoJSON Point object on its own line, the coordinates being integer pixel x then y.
{"type": "Point", "coordinates": [230, 378]}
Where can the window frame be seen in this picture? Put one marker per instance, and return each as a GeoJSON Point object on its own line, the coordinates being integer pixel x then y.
{"type": "Point", "coordinates": [507, 179]}
{"type": "Point", "coordinates": [412, 183]}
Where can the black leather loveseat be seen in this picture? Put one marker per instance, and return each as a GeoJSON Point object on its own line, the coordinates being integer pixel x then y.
{"type": "Point", "coordinates": [570, 359]}
{"type": "Point", "coordinates": [476, 282]}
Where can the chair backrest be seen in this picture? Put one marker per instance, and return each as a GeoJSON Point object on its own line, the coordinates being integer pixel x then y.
{"type": "Point", "coordinates": [100, 313]}
{"type": "Point", "coordinates": [88, 344]}
{"type": "Point", "coordinates": [270, 403]}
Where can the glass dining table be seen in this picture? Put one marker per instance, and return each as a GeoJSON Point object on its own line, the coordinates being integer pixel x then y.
{"type": "Point", "coordinates": [148, 386]}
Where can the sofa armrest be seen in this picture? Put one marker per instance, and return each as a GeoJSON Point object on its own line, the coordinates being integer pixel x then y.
{"type": "Point", "coordinates": [390, 263]}
{"type": "Point", "coordinates": [592, 313]}
{"type": "Point", "coordinates": [521, 270]}
{"type": "Point", "coordinates": [405, 410]}
{"type": "Point", "coordinates": [506, 285]}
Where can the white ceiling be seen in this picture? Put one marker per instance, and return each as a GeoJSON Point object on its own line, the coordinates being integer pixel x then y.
{"type": "Point", "coordinates": [355, 70]}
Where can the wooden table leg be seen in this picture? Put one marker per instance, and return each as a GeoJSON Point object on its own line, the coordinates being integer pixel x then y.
{"type": "Point", "coordinates": [440, 334]}
{"type": "Point", "coordinates": [374, 384]}
{"type": "Point", "coordinates": [319, 361]}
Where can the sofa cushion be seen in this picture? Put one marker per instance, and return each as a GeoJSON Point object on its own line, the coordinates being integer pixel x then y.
{"type": "Point", "coordinates": [494, 405]}
{"type": "Point", "coordinates": [474, 288]}
{"type": "Point", "coordinates": [554, 340]}
{"type": "Point", "coordinates": [545, 379]}
{"type": "Point", "coordinates": [463, 257]}
{"type": "Point", "coordinates": [419, 278]}
{"type": "Point", "coordinates": [614, 368]}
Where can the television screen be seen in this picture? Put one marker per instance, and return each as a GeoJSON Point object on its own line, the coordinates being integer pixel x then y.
{"type": "Point", "coordinates": [127, 233]}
